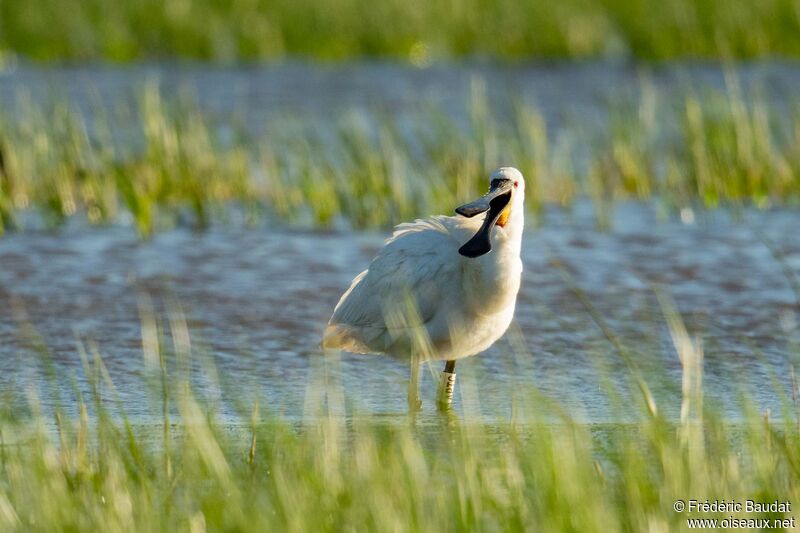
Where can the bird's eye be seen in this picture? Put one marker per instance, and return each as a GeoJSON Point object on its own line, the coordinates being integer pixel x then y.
{"type": "Point", "coordinates": [516, 184]}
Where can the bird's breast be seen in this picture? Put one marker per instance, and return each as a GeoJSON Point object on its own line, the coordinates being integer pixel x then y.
{"type": "Point", "coordinates": [491, 282]}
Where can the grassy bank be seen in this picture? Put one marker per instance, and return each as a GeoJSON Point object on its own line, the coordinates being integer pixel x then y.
{"type": "Point", "coordinates": [227, 30]}
{"type": "Point", "coordinates": [164, 163]}
{"type": "Point", "coordinates": [253, 471]}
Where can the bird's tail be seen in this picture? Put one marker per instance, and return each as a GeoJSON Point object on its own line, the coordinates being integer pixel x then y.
{"type": "Point", "coordinates": [338, 337]}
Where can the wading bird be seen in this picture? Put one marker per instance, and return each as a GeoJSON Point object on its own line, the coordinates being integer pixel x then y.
{"type": "Point", "coordinates": [441, 288]}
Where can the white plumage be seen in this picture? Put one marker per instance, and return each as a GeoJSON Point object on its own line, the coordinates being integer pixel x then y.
{"type": "Point", "coordinates": [464, 295]}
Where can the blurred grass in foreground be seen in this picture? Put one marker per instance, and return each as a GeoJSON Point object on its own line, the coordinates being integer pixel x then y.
{"type": "Point", "coordinates": [169, 165]}
{"type": "Point", "coordinates": [235, 30]}
{"type": "Point", "coordinates": [253, 471]}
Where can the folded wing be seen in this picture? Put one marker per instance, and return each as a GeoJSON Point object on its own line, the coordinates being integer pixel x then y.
{"type": "Point", "coordinates": [402, 289]}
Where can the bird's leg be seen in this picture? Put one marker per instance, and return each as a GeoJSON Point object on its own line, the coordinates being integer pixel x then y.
{"type": "Point", "coordinates": [414, 401]}
{"type": "Point", "coordinates": [448, 385]}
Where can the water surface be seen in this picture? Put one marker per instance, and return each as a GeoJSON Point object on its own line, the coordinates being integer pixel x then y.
{"type": "Point", "coordinates": [566, 93]}
{"type": "Point", "coordinates": [256, 301]}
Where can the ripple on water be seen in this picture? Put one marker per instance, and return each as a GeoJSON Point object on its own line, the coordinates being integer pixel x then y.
{"type": "Point", "coordinates": [256, 303]}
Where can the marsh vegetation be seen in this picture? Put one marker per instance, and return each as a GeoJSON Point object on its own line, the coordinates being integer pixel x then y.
{"type": "Point", "coordinates": [162, 161]}
{"type": "Point", "coordinates": [231, 31]}
{"type": "Point", "coordinates": [175, 231]}
{"type": "Point", "coordinates": [231, 462]}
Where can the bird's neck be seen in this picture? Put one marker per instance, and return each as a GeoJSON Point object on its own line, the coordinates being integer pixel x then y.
{"type": "Point", "coordinates": [510, 235]}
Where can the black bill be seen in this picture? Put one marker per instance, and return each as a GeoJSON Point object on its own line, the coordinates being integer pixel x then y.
{"type": "Point", "coordinates": [494, 201]}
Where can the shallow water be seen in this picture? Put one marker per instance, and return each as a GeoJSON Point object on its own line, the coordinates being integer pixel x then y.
{"type": "Point", "coordinates": [256, 301]}
{"type": "Point", "coordinates": [566, 93]}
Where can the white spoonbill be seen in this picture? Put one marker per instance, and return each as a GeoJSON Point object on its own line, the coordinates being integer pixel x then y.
{"type": "Point", "coordinates": [462, 275]}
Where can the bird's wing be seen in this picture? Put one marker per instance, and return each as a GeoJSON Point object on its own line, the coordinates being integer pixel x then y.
{"type": "Point", "coordinates": [403, 286]}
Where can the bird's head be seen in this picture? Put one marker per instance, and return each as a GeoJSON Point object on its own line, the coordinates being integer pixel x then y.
{"type": "Point", "coordinates": [506, 195]}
